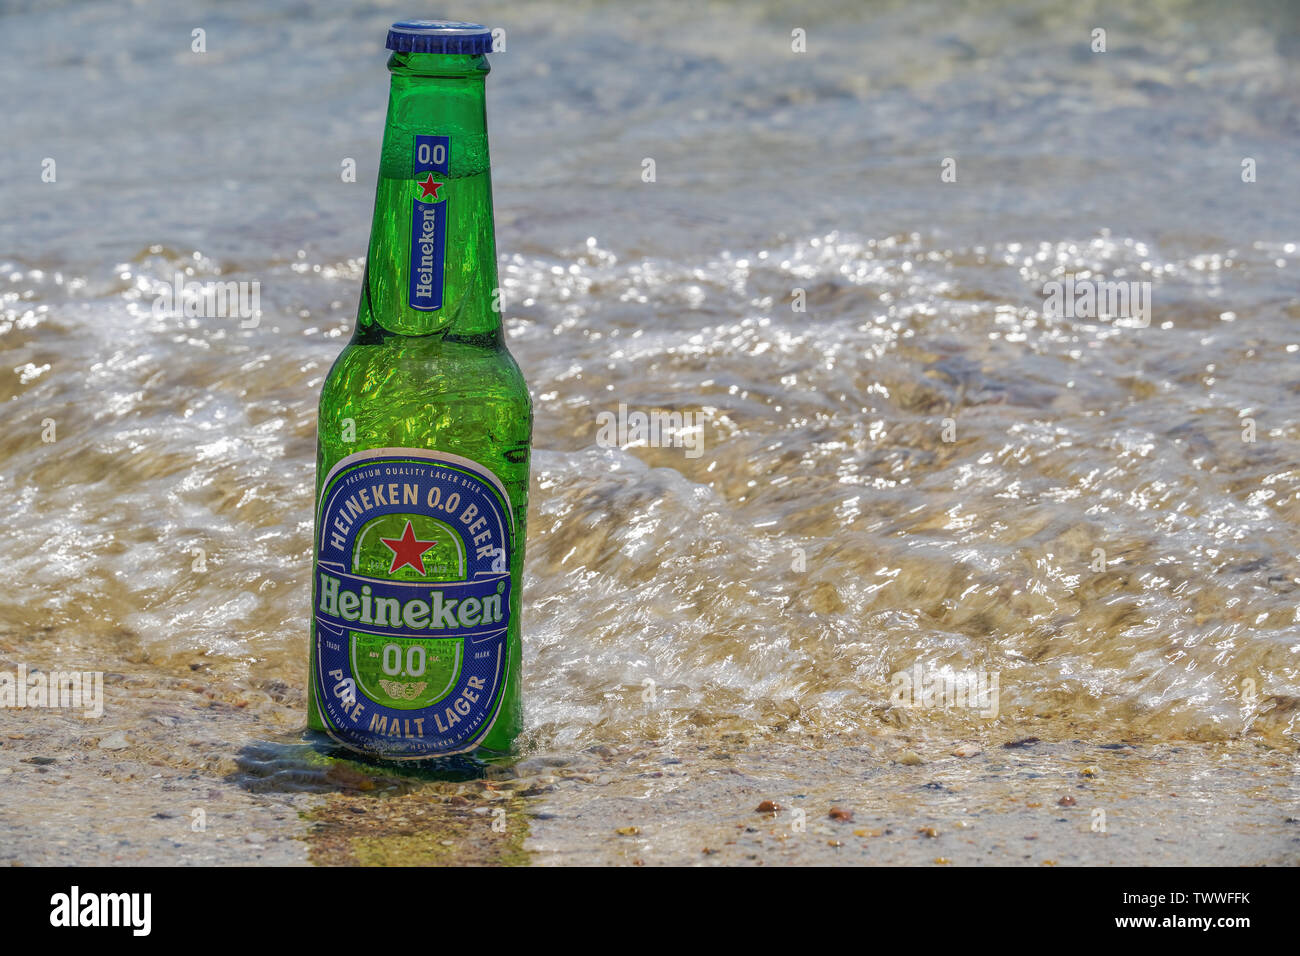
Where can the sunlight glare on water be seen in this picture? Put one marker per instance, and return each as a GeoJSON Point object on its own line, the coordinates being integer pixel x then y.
{"type": "Point", "coordinates": [828, 535]}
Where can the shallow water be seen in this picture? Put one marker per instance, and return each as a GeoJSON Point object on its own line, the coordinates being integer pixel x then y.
{"type": "Point", "coordinates": [757, 598]}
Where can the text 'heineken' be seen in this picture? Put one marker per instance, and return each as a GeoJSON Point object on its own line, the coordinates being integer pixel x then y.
{"type": "Point", "coordinates": [425, 423]}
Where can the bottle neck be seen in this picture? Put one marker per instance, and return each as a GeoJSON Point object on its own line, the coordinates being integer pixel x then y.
{"type": "Point", "coordinates": [431, 269]}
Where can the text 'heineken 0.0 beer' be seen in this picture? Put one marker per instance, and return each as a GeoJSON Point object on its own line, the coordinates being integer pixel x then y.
{"type": "Point", "coordinates": [425, 423]}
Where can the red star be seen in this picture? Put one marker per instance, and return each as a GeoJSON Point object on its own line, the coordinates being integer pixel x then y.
{"type": "Point", "coordinates": [429, 186]}
{"type": "Point", "coordinates": [408, 549]}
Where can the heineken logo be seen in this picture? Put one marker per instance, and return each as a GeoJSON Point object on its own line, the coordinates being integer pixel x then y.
{"type": "Point", "coordinates": [428, 224]}
{"type": "Point", "coordinates": [408, 550]}
{"type": "Point", "coordinates": [429, 188]}
{"type": "Point", "coordinates": [412, 596]}
{"type": "Point", "coordinates": [467, 607]}
{"type": "Point", "coordinates": [428, 248]}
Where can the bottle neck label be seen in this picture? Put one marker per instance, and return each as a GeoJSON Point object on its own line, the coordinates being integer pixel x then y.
{"type": "Point", "coordinates": [411, 597]}
{"type": "Point", "coordinates": [428, 224]}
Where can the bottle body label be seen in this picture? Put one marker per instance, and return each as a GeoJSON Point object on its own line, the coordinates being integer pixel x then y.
{"type": "Point", "coordinates": [411, 599]}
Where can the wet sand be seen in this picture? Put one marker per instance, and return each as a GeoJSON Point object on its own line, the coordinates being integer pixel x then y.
{"type": "Point", "coordinates": [228, 757]}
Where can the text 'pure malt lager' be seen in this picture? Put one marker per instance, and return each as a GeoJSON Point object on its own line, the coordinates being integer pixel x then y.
{"type": "Point", "coordinates": [425, 423]}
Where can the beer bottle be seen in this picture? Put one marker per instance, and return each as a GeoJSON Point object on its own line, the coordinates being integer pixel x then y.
{"type": "Point", "coordinates": [423, 441]}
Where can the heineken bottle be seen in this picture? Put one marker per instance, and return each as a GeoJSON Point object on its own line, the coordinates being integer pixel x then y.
{"type": "Point", "coordinates": [424, 430]}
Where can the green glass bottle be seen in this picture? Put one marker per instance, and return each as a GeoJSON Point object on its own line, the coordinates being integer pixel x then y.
{"type": "Point", "coordinates": [423, 447]}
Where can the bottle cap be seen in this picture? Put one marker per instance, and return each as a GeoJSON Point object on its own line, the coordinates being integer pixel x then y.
{"type": "Point", "coordinates": [439, 36]}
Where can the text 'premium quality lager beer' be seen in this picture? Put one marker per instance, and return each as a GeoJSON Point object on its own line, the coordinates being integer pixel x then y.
{"type": "Point", "coordinates": [425, 423]}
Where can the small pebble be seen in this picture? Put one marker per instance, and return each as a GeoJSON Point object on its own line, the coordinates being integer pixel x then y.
{"type": "Point", "coordinates": [967, 750]}
{"type": "Point", "coordinates": [1067, 801]}
{"type": "Point", "coordinates": [910, 758]}
{"type": "Point", "coordinates": [840, 814]}
{"type": "Point", "coordinates": [115, 741]}
{"type": "Point", "coordinates": [930, 832]}
{"type": "Point", "coordinates": [768, 806]}
{"type": "Point", "coordinates": [628, 831]}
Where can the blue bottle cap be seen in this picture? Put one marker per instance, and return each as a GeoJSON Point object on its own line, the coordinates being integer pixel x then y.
{"type": "Point", "coordinates": [439, 36]}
